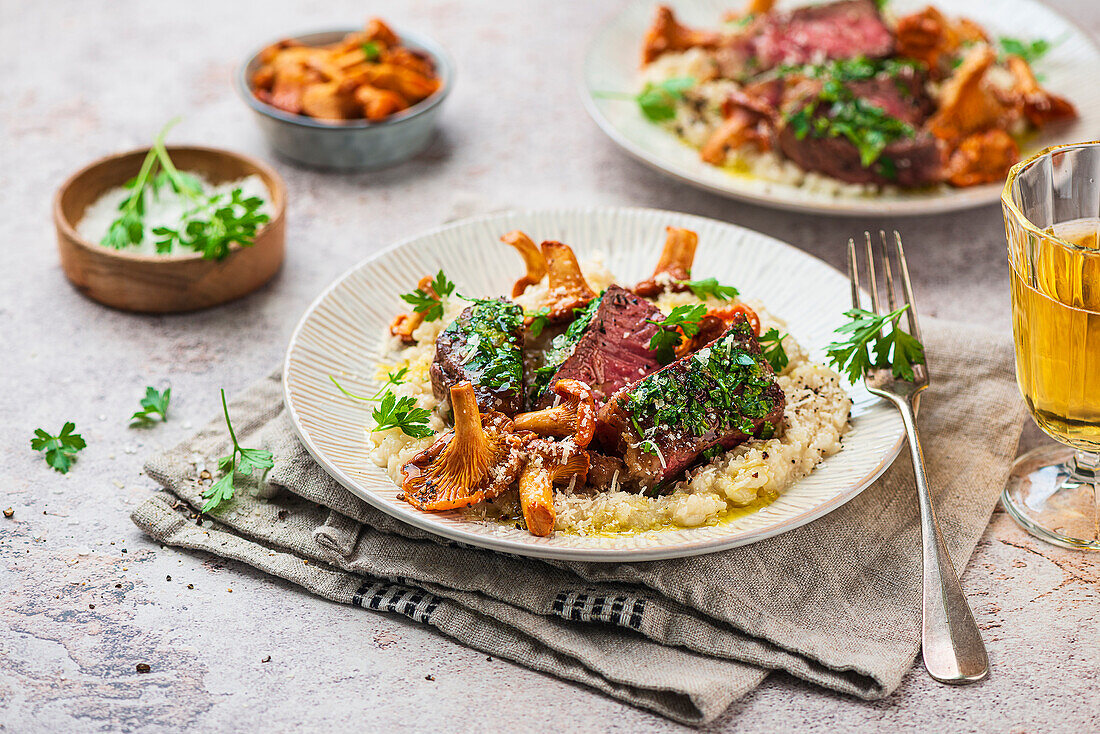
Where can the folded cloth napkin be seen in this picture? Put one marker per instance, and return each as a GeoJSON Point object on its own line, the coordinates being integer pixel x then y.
{"type": "Point", "coordinates": [836, 602]}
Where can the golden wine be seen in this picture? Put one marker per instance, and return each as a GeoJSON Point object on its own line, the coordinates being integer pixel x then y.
{"type": "Point", "coordinates": [1056, 323]}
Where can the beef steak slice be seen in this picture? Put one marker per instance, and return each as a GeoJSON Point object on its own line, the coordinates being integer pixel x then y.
{"type": "Point", "coordinates": [483, 346]}
{"type": "Point", "coordinates": [609, 350]}
{"type": "Point", "coordinates": [811, 34]}
{"type": "Point", "coordinates": [699, 405]}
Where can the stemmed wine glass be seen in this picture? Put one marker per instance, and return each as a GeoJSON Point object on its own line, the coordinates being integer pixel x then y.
{"type": "Point", "coordinates": [1052, 220]}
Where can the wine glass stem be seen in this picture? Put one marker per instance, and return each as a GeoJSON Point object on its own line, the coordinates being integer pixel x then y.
{"type": "Point", "coordinates": [1086, 466]}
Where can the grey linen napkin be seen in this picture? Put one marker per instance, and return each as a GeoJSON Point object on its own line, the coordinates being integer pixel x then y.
{"type": "Point", "coordinates": [836, 602]}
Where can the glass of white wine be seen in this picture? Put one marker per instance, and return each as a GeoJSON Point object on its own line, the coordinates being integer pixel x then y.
{"type": "Point", "coordinates": [1052, 220]}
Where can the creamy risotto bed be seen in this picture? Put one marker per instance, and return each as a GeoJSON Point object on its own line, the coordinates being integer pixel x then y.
{"type": "Point", "coordinates": [750, 475]}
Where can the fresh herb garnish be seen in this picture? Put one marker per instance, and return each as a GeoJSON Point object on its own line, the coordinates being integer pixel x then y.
{"type": "Point", "coordinates": [539, 320]}
{"type": "Point", "coordinates": [394, 378]}
{"type": "Point", "coordinates": [214, 224]}
{"type": "Point", "coordinates": [394, 412]}
{"type": "Point", "coordinates": [372, 51]}
{"type": "Point", "coordinates": [430, 302]}
{"type": "Point", "coordinates": [682, 321]}
{"type": "Point", "coordinates": [897, 349]}
{"type": "Point", "coordinates": [491, 332]}
{"type": "Point", "coordinates": [771, 344]}
{"type": "Point", "coordinates": [60, 449]}
{"type": "Point", "coordinates": [155, 403]}
{"type": "Point", "coordinates": [1029, 51]}
{"type": "Point", "coordinates": [210, 226]}
{"type": "Point", "coordinates": [242, 461]}
{"type": "Point", "coordinates": [710, 288]}
{"type": "Point", "coordinates": [657, 100]}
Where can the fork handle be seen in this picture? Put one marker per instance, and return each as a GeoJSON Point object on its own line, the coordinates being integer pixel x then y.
{"type": "Point", "coordinates": [951, 643]}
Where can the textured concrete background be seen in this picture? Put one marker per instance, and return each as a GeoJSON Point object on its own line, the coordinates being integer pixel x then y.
{"type": "Point", "coordinates": [84, 597]}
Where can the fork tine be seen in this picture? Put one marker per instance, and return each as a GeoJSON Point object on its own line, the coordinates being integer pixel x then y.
{"type": "Point", "coordinates": [871, 267]}
{"type": "Point", "coordinates": [907, 284]}
{"type": "Point", "coordinates": [891, 297]}
{"type": "Point", "coordinates": [853, 272]}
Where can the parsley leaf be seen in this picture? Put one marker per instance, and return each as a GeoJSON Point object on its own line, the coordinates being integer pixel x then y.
{"type": "Point", "coordinates": [60, 449]}
{"type": "Point", "coordinates": [657, 101]}
{"type": "Point", "coordinates": [683, 321]}
{"type": "Point", "coordinates": [1029, 51]}
{"type": "Point", "coordinates": [402, 413]}
{"type": "Point", "coordinates": [240, 461]}
{"type": "Point", "coordinates": [897, 349]}
{"type": "Point", "coordinates": [425, 302]}
{"type": "Point", "coordinates": [155, 403]}
{"type": "Point", "coordinates": [771, 344]}
{"type": "Point", "coordinates": [214, 224]}
{"type": "Point", "coordinates": [710, 288]}
{"type": "Point", "coordinates": [372, 51]}
{"type": "Point", "coordinates": [539, 320]}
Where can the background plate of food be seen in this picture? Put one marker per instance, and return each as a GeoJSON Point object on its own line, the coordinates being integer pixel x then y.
{"type": "Point", "coordinates": [594, 399]}
{"type": "Point", "coordinates": [841, 107]}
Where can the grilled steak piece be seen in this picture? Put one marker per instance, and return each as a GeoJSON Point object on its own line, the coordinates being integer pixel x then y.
{"type": "Point", "coordinates": [914, 160]}
{"type": "Point", "coordinates": [699, 405]}
{"type": "Point", "coordinates": [808, 35]}
{"type": "Point", "coordinates": [607, 347]}
{"type": "Point", "coordinates": [483, 345]}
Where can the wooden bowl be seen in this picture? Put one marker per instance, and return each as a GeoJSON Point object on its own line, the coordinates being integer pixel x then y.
{"type": "Point", "coordinates": [167, 283]}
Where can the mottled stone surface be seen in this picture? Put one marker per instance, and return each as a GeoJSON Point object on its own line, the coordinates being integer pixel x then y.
{"type": "Point", "coordinates": [84, 597]}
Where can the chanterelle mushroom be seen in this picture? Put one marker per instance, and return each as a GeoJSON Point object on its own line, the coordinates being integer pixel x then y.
{"type": "Point", "coordinates": [568, 288]}
{"type": "Point", "coordinates": [1040, 106]}
{"type": "Point", "coordinates": [674, 265]}
{"type": "Point", "coordinates": [967, 104]}
{"type": "Point", "coordinates": [404, 324]}
{"type": "Point", "coordinates": [548, 462]}
{"type": "Point", "coordinates": [532, 258]}
{"type": "Point", "coordinates": [666, 34]}
{"type": "Point", "coordinates": [574, 416]}
{"type": "Point", "coordinates": [476, 460]}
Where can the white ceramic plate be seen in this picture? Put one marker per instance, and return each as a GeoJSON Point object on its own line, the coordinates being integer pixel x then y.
{"type": "Point", "coordinates": [612, 64]}
{"type": "Point", "coordinates": [342, 334]}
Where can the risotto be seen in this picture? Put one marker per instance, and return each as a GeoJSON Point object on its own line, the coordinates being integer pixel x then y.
{"type": "Point", "coordinates": [749, 476]}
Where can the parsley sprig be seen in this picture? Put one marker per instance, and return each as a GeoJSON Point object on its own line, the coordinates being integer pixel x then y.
{"type": "Point", "coordinates": [210, 226]}
{"type": "Point", "coordinates": [771, 344]}
{"type": "Point", "coordinates": [393, 377]}
{"type": "Point", "coordinates": [681, 321]}
{"type": "Point", "coordinates": [428, 303]}
{"type": "Point", "coordinates": [711, 288]}
{"type": "Point", "coordinates": [242, 461]}
{"type": "Point", "coordinates": [394, 412]}
{"type": "Point", "coordinates": [867, 347]}
{"type": "Point", "coordinates": [1029, 51]}
{"type": "Point", "coordinates": [657, 100]}
{"type": "Point", "coordinates": [155, 403]}
{"type": "Point", "coordinates": [61, 449]}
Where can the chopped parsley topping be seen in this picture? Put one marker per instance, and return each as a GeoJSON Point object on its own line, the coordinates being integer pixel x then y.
{"type": "Point", "coordinates": [562, 346]}
{"type": "Point", "coordinates": [838, 112]}
{"type": "Point", "coordinates": [491, 331]}
{"type": "Point", "coordinates": [722, 387]}
{"type": "Point", "coordinates": [682, 321]}
{"type": "Point", "coordinates": [1029, 51]}
{"type": "Point", "coordinates": [539, 320]}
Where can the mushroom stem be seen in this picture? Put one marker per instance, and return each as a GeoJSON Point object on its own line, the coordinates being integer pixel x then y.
{"type": "Point", "coordinates": [536, 496]}
{"type": "Point", "coordinates": [674, 266]}
{"type": "Point", "coordinates": [532, 259]}
{"type": "Point", "coordinates": [469, 447]}
{"type": "Point", "coordinates": [568, 288]}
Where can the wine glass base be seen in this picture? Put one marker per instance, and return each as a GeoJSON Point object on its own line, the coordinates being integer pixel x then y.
{"type": "Point", "coordinates": [1048, 500]}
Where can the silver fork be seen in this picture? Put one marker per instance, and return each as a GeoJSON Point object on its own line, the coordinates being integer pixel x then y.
{"type": "Point", "coordinates": [951, 644]}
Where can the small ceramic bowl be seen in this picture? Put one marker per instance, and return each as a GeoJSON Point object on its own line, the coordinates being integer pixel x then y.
{"type": "Point", "coordinates": [351, 144]}
{"type": "Point", "coordinates": [166, 283]}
